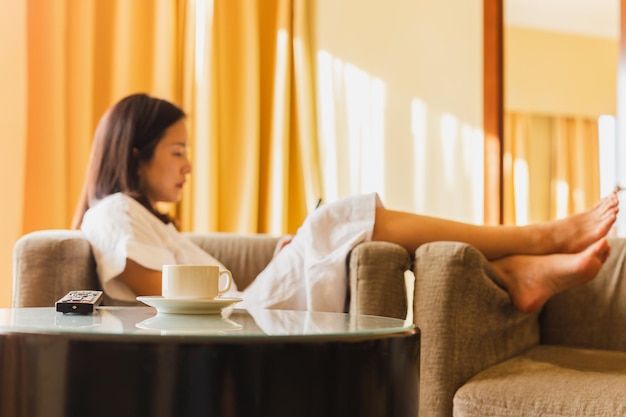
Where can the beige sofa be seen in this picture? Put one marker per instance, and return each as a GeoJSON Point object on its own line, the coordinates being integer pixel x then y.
{"type": "Point", "coordinates": [49, 263]}
{"type": "Point", "coordinates": [479, 356]}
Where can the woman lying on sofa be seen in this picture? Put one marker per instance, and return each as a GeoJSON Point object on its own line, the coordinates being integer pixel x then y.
{"type": "Point", "coordinates": [139, 158]}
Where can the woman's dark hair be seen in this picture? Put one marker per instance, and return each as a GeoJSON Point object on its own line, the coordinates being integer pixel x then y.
{"type": "Point", "coordinates": [126, 136]}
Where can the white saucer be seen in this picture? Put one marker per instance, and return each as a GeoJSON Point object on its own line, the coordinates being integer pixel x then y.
{"type": "Point", "coordinates": [188, 306]}
{"type": "Point", "coordinates": [178, 324]}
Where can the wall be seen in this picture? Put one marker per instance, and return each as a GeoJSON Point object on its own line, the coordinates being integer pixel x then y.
{"type": "Point", "coordinates": [401, 89]}
{"type": "Point", "coordinates": [559, 73]}
{"type": "Point", "coordinates": [12, 126]}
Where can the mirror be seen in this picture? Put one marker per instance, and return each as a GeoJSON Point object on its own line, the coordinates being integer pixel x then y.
{"type": "Point", "coordinates": [560, 60]}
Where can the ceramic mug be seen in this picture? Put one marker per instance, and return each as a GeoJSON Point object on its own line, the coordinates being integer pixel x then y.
{"type": "Point", "coordinates": [194, 281]}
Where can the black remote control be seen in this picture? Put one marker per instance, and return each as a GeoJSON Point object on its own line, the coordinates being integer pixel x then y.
{"type": "Point", "coordinates": [80, 302]}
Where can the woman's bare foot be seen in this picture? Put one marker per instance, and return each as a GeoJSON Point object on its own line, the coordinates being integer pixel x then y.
{"type": "Point", "coordinates": [574, 233]}
{"type": "Point", "coordinates": [533, 280]}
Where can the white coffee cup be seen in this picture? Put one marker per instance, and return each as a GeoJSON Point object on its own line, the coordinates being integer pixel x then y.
{"type": "Point", "coordinates": [194, 281]}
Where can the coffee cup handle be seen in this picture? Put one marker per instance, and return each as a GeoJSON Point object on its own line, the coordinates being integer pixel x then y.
{"type": "Point", "coordinates": [229, 281]}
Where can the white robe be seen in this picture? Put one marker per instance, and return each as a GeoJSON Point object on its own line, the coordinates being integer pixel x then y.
{"type": "Point", "coordinates": [310, 273]}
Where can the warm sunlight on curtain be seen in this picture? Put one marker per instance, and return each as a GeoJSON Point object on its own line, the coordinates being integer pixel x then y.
{"type": "Point", "coordinates": [230, 64]}
{"type": "Point", "coordinates": [251, 105]}
{"type": "Point", "coordinates": [82, 56]}
{"type": "Point", "coordinates": [241, 69]}
{"type": "Point", "coordinates": [551, 167]}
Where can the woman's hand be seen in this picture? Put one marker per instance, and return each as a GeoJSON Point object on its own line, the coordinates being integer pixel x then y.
{"type": "Point", "coordinates": [282, 242]}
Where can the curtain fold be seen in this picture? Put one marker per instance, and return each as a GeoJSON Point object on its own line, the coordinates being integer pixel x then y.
{"type": "Point", "coordinates": [252, 115]}
{"type": "Point", "coordinates": [551, 166]}
{"type": "Point", "coordinates": [82, 56]}
{"type": "Point", "coordinates": [241, 70]}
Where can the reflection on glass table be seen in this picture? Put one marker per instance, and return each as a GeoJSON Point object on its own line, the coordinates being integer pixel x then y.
{"type": "Point", "coordinates": [233, 322]}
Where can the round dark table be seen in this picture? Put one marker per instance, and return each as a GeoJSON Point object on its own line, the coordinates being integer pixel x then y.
{"type": "Point", "coordinates": [131, 361]}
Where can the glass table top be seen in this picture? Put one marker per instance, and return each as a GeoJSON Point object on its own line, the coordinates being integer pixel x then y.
{"type": "Point", "coordinates": [231, 322]}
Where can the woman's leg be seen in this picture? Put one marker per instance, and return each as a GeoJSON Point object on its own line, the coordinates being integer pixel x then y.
{"type": "Point", "coordinates": [533, 262]}
{"type": "Point", "coordinates": [531, 280]}
{"type": "Point", "coordinates": [570, 235]}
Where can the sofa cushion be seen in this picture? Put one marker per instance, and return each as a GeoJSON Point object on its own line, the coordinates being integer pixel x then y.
{"type": "Point", "coordinates": [587, 316]}
{"type": "Point", "coordinates": [548, 381]}
{"type": "Point", "coordinates": [245, 255]}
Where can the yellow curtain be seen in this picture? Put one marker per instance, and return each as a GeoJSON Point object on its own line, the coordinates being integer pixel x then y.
{"type": "Point", "coordinates": [551, 166]}
{"type": "Point", "coordinates": [241, 69]}
{"type": "Point", "coordinates": [82, 56]}
{"type": "Point", "coordinates": [251, 116]}
{"type": "Point", "coordinates": [231, 65]}
{"type": "Point", "coordinates": [576, 179]}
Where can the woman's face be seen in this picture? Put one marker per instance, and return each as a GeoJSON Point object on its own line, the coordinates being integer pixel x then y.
{"type": "Point", "coordinates": [162, 178]}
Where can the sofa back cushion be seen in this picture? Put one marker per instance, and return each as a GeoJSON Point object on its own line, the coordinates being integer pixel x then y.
{"type": "Point", "coordinates": [49, 263]}
{"type": "Point", "coordinates": [587, 316]}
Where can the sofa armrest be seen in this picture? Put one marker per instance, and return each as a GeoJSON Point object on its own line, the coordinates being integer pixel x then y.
{"type": "Point", "coordinates": [376, 276]}
{"type": "Point", "coordinates": [49, 263]}
{"type": "Point", "coordinates": [245, 255]}
{"type": "Point", "coordinates": [593, 315]}
{"type": "Point", "coordinates": [466, 320]}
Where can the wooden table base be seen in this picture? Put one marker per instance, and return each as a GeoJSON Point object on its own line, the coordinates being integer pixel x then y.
{"type": "Point", "coordinates": [52, 375]}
